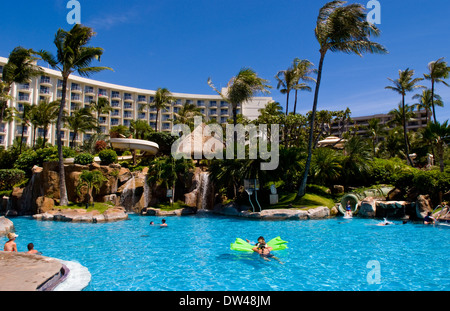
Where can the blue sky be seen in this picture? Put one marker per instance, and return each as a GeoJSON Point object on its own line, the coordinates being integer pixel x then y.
{"type": "Point", "coordinates": [179, 44]}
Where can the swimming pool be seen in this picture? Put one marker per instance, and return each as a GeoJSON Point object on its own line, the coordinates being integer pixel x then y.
{"type": "Point", "coordinates": [193, 254]}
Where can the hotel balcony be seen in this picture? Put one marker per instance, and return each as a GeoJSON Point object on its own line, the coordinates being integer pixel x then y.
{"type": "Point", "coordinates": [142, 100]}
{"type": "Point", "coordinates": [23, 99]}
{"type": "Point", "coordinates": [89, 91]}
{"type": "Point", "coordinates": [128, 98]}
{"type": "Point", "coordinates": [45, 81]}
{"type": "Point", "coordinates": [76, 89]}
{"type": "Point", "coordinates": [76, 98]}
{"type": "Point", "coordinates": [24, 88]}
{"type": "Point", "coordinates": [43, 92]}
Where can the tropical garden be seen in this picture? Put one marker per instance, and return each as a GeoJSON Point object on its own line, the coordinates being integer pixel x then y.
{"type": "Point", "coordinates": [386, 153]}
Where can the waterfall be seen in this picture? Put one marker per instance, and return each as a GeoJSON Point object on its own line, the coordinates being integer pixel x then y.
{"type": "Point", "coordinates": [205, 193]}
{"type": "Point", "coordinates": [127, 197]}
{"type": "Point", "coordinates": [146, 192]}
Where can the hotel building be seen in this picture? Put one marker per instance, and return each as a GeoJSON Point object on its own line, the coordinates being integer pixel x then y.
{"type": "Point", "coordinates": [126, 103]}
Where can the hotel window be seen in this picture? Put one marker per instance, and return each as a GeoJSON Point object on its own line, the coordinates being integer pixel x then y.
{"type": "Point", "coordinates": [115, 94]}
{"type": "Point", "coordinates": [176, 109]}
{"type": "Point", "coordinates": [88, 99]}
{"type": "Point", "coordinates": [152, 99]}
{"type": "Point", "coordinates": [75, 97]}
{"type": "Point", "coordinates": [223, 104]}
{"type": "Point", "coordinates": [1, 69]}
{"type": "Point", "coordinates": [212, 103]}
{"type": "Point", "coordinates": [165, 117]}
{"type": "Point", "coordinates": [45, 79]}
{"type": "Point", "coordinates": [60, 83]}
{"type": "Point", "coordinates": [20, 107]}
{"type": "Point", "coordinates": [127, 96]}
{"type": "Point", "coordinates": [2, 140]}
{"type": "Point", "coordinates": [153, 124]}
{"type": "Point", "coordinates": [87, 137]}
{"type": "Point", "coordinates": [128, 106]}
{"type": "Point", "coordinates": [141, 98]}
{"type": "Point", "coordinates": [179, 102]}
{"type": "Point", "coordinates": [59, 94]}
{"type": "Point", "coordinates": [2, 128]}
{"type": "Point", "coordinates": [88, 89]}
{"type": "Point", "coordinates": [152, 116]}
{"type": "Point", "coordinates": [224, 112]}
{"type": "Point", "coordinates": [24, 86]}
{"type": "Point", "coordinates": [44, 90]}
{"type": "Point", "coordinates": [102, 92]}
{"type": "Point", "coordinates": [114, 122]}
{"type": "Point", "coordinates": [188, 101]}
{"type": "Point", "coordinates": [142, 115]}
{"type": "Point", "coordinates": [223, 120]}
{"type": "Point", "coordinates": [73, 106]}
{"type": "Point", "coordinates": [76, 87]}
{"type": "Point", "coordinates": [202, 111]}
{"type": "Point", "coordinates": [115, 112]}
{"type": "Point", "coordinates": [200, 103]}
{"type": "Point", "coordinates": [127, 114]}
{"type": "Point", "coordinates": [126, 122]}
{"type": "Point", "coordinates": [166, 126]}
{"type": "Point", "coordinates": [213, 111]}
{"type": "Point", "coordinates": [115, 103]}
{"type": "Point", "coordinates": [102, 120]}
{"type": "Point", "coordinates": [24, 97]}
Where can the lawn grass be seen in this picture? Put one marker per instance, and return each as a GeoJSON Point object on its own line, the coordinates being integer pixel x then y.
{"type": "Point", "coordinates": [308, 201]}
{"type": "Point", "coordinates": [170, 207]}
{"type": "Point", "coordinates": [101, 207]}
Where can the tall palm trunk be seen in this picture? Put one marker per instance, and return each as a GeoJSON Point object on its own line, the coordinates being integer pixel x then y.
{"type": "Point", "coordinates": [62, 180]}
{"type": "Point", "coordinates": [295, 102]}
{"type": "Point", "coordinates": [405, 133]}
{"type": "Point", "coordinates": [287, 102]}
{"type": "Point", "coordinates": [157, 117]}
{"type": "Point", "coordinates": [302, 189]}
{"type": "Point", "coordinates": [432, 100]}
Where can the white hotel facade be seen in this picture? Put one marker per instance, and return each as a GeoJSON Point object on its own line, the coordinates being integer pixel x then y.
{"type": "Point", "coordinates": [125, 102]}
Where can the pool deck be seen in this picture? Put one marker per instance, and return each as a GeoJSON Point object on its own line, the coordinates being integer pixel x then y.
{"type": "Point", "coordinates": [26, 272]}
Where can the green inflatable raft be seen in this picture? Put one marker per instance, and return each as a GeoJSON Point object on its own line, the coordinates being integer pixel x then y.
{"type": "Point", "coordinates": [243, 246]}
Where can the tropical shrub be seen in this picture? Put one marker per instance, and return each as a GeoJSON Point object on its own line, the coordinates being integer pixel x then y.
{"type": "Point", "coordinates": [84, 159]}
{"type": "Point", "coordinates": [26, 161]}
{"type": "Point", "coordinates": [100, 145]}
{"type": "Point", "coordinates": [10, 177]}
{"type": "Point", "coordinates": [108, 156]}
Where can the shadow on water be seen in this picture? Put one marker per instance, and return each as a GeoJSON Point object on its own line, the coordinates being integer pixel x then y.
{"type": "Point", "coordinates": [251, 259]}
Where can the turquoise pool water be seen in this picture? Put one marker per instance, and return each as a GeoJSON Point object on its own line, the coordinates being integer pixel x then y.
{"type": "Point", "coordinates": [193, 253]}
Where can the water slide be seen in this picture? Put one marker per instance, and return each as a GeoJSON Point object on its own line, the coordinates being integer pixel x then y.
{"type": "Point", "coordinates": [149, 147]}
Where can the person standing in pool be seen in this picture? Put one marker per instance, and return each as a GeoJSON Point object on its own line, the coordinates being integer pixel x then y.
{"type": "Point", "coordinates": [31, 249]}
{"type": "Point", "coordinates": [348, 209]}
{"type": "Point", "coordinates": [11, 246]}
{"type": "Point", "coordinates": [163, 223]}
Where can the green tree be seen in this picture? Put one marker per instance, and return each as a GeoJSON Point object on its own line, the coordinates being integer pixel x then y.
{"type": "Point", "coordinates": [304, 68]}
{"type": "Point", "coordinates": [91, 180]}
{"type": "Point", "coordinates": [20, 68]}
{"type": "Point", "coordinates": [163, 98]}
{"type": "Point", "coordinates": [438, 71]}
{"type": "Point", "coordinates": [325, 166]}
{"type": "Point", "coordinates": [375, 129]}
{"type": "Point", "coordinates": [405, 83]}
{"type": "Point", "coordinates": [426, 102]}
{"type": "Point", "coordinates": [24, 116]}
{"type": "Point", "coordinates": [101, 106]}
{"type": "Point", "coordinates": [340, 28]}
{"type": "Point", "coordinates": [80, 121]}
{"type": "Point", "coordinates": [287, 80]}
{"type": "Point", "coordinates": [242, 88]}
{"type": "Point", "coordinates": [73, 55]}
{"type": "Point", "coordinates": [439, 134]}
{"type": "Point", "coordinates": [186, 115]}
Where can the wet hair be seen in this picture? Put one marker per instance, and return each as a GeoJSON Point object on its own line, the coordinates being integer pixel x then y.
{"type": "Point", "coordinates": [163, 221]}
{"type": "Point", "coordinates": [261, 238]}
{"type": "Point", "coordinates": [30, 246]}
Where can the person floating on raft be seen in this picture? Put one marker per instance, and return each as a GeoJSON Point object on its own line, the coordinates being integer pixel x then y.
{"type": "Point", "coordinates": [262, 248]}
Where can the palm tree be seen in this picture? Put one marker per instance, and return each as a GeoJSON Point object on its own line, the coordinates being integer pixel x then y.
{"type": "Point", "coordinates": [355, 161]}
{"type": "Point", "coordinates": [339, 29]}
{"type": "Point", "coordinates": [426, 102]}
{"type": "Point", "coordinates": [303, 68]}
{"type": "Point", "coordinates": [375, 130]}
{"type": "Point", "coordinates": [81, 121]}
{"type": "Point", "coordinates": [405, 83]}
{"type": "Point", "coordinates": [439, 134]}
{"type": "Point", "coordinates": [437, 72]}
{"type": "Point", "coordinates": [241, 89]}
{"type": "Point", "coordinates": [91, 180]}
{"type": "Point", "coordinates": [24, 116]}
{"type": "Point", "coordinates": [287, 80]}
{"type": "Point", "coordinates": [73, 55]}
{"type": "Point", "coordinates": [186, 114]}
{"type": "Point", "coordinates": [102, 106]}
{"type": "Point", "coordinates": [20, 68]}
{"type": "Point", "coordinates": [44, 114]}
{"type": "Point", "coordinates": [163, 98]}
{"type": "Point", "coordinates": [325, 166]}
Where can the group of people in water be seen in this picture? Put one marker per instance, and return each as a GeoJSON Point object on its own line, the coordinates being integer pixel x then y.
{"type": "Point", "coordinates": [11, 246]}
